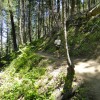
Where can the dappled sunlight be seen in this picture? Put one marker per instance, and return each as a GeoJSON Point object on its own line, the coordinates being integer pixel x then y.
{"type": "Point", "coordinates": [91, 66]}
{"type": "Point", "coordinates": [19, 81]}
{"type": "Point", "coordinates": [89, 72]}
{"type": "Point", "coordinates": [56, 72]}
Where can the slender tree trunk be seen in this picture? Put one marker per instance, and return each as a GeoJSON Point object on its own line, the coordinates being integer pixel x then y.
{"type": "Point", "coordinates": [39, 34]}
{"type": "Point", "coordinates": [70, 70]}
{"type": "Point", "coordinates": [20, 23]}
{"type": "Point", "coordinates": [18, 19]}
{"type": "Point", "coordinates": [49, 21]}
{"type": "Point", "coordinates": [29, 23]}
{"type": "Point", "coordinates": [23, 24]}
{"type": "Point", "coordinates": [83, 5]}
{"type": "Point", "coordinates": [7, 43]}
{"type": "Point", "coordinates": [63, 12]}
{"type": "Point", "coordinates": [78, 6]}
{"type": "Point", "coordinates": [43, 18]}
{"type": "Point", "coordinates": [89, 3]}
{"type": "Point", "coordinates": [1, 38]}
{"type": "Point", "coordinates": [72, 6]}
{"type": "Point", "coordinates": [68, 7]}
{"type": "Point", "coordinates": [13, 28]}
{"type": "Point", "coordinates": [58, 8]}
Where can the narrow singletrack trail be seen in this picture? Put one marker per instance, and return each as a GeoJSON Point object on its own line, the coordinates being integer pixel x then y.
{"type": "Point", "coordinates": [88, 70]}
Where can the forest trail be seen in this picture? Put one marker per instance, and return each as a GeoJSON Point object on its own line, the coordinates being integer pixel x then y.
{"type": "Point", "coordinates": [88, 70]}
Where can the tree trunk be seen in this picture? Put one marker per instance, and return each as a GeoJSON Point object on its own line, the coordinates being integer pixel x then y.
{"type": "Point", "coordinates": [7, 43]}
{"type": "Point", "coordinates": [13, 28]}
{"type": "Point", "coordinates": [29, 23]}
{"type": "Point", "coordinates": [63, 12]}
{"type": "Point", "coordinates": [43, 20]}
{"type": "Point", "coordinates": [39, 20]}
{"type": "Point", "coordinates": [23, 24]}
{"type": "Point", "coordinates": [89, 3]}
{"type": "Point", "coordinates": [70, 71]}
{"type": "Point", "coordinates": [83, 5]}
{"type": "Point", "coordinates": [58, 6]}
{"type": "Point", "coordinates": [78, 6]}
{"type": "Point", "coordinates": [20, 23]}
{"type": "Point", "coordinates": [1, 39]}
{"type": "Point", "coordinates": [18, 33]}
{"type": "Point", "coordinates": [72, 6]}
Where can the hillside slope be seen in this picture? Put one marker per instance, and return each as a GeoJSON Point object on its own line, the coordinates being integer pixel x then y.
{"type": "Point", "coordinates": [37, 75]}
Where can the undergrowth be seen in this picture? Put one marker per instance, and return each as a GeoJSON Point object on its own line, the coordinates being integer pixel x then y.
{"type": "Point", "coordinates": [19, 77]}
{"type": "Point", "coordinates": [83, 40]}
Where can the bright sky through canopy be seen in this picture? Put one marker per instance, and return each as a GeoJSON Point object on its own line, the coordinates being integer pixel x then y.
{"type": "Point", "coordinates": [82, 1]}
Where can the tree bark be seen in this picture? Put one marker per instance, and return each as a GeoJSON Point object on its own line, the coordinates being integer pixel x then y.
{"type": "Point", "coordinates": [63, 12]}
{"type": "Point", "coordinates": [23, 24]}
{"type": "Point", "coordinates": [1, 38]}
{"type": "Point", "coordinates": [13, 28]}
{"type": "Point", "coordinates": [89, 3]}
{"type": "Point", "coordinates": [58, 6]}
{"type": "Point", "coordinates": [20, 23]}
{"type": "Point", "coordinates": [72, 6]}
{"type": "Point", "coordinates": [7, 43]}
{"type": "Point", "coordinates": [29, 23]}
{"type": "Point", "coordinates": [70, 71]}
{"type": "Point", "coordinates": [39, 20]}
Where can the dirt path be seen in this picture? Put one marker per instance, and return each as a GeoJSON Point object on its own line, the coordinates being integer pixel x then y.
{"type": "Point", "coordinates": [87, 70]}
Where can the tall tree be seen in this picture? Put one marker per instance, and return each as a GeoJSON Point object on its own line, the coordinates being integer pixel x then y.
{"type": "Point", "coordinates": [39, 20]}
{"type": "Point", "coordinates": [70, 70]}
{"type": "Point", "coordinates": [29, 21]}
{"type": "Point", "coordinates": [1, 34]}
{"type": "Point", "coordinates": [89, 3]}
{"type": "Point", "coordinates": [58, 6]}
{"type": "Point", "coordinates": [13, 27]}
{"type": "Point", "coordinates": [7, 41]}
{"type": "Point", "coordinates": [72, 6]}
{"type": "Point", "coordinates": [63, 12]}
{"type": "Point", "coordinates": [20, 21]}
{"type": "Point", "coordinates": [23, 21]}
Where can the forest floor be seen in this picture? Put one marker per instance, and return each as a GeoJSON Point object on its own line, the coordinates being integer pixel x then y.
{"type": "Point", "coordinates": [89, 72]}
{"type": "Point", "coordinates": [86, 70]}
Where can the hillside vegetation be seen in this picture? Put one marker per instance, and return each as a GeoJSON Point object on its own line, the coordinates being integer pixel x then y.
{"type": "Point", "coordinates": [80, 38]}
{"type": "Point", "coordinates": [18, 79]}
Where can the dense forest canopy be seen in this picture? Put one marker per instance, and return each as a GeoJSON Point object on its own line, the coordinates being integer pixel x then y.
{"type": "Point", "coordinates": [23, 21]}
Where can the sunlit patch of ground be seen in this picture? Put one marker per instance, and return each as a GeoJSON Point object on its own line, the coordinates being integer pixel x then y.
{"type": "Point", "coordinates": [91, 66]}
{"type": "Point", "coordinates": [89, 71]}
{"type": "Point", "coordinates": [86, 70]}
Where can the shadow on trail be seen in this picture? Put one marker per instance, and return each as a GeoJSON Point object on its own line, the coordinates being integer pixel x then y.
{"type": "Point", "coordinates": [92, 85]}
{"type": "Point", "coordinates": [86, 68]}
